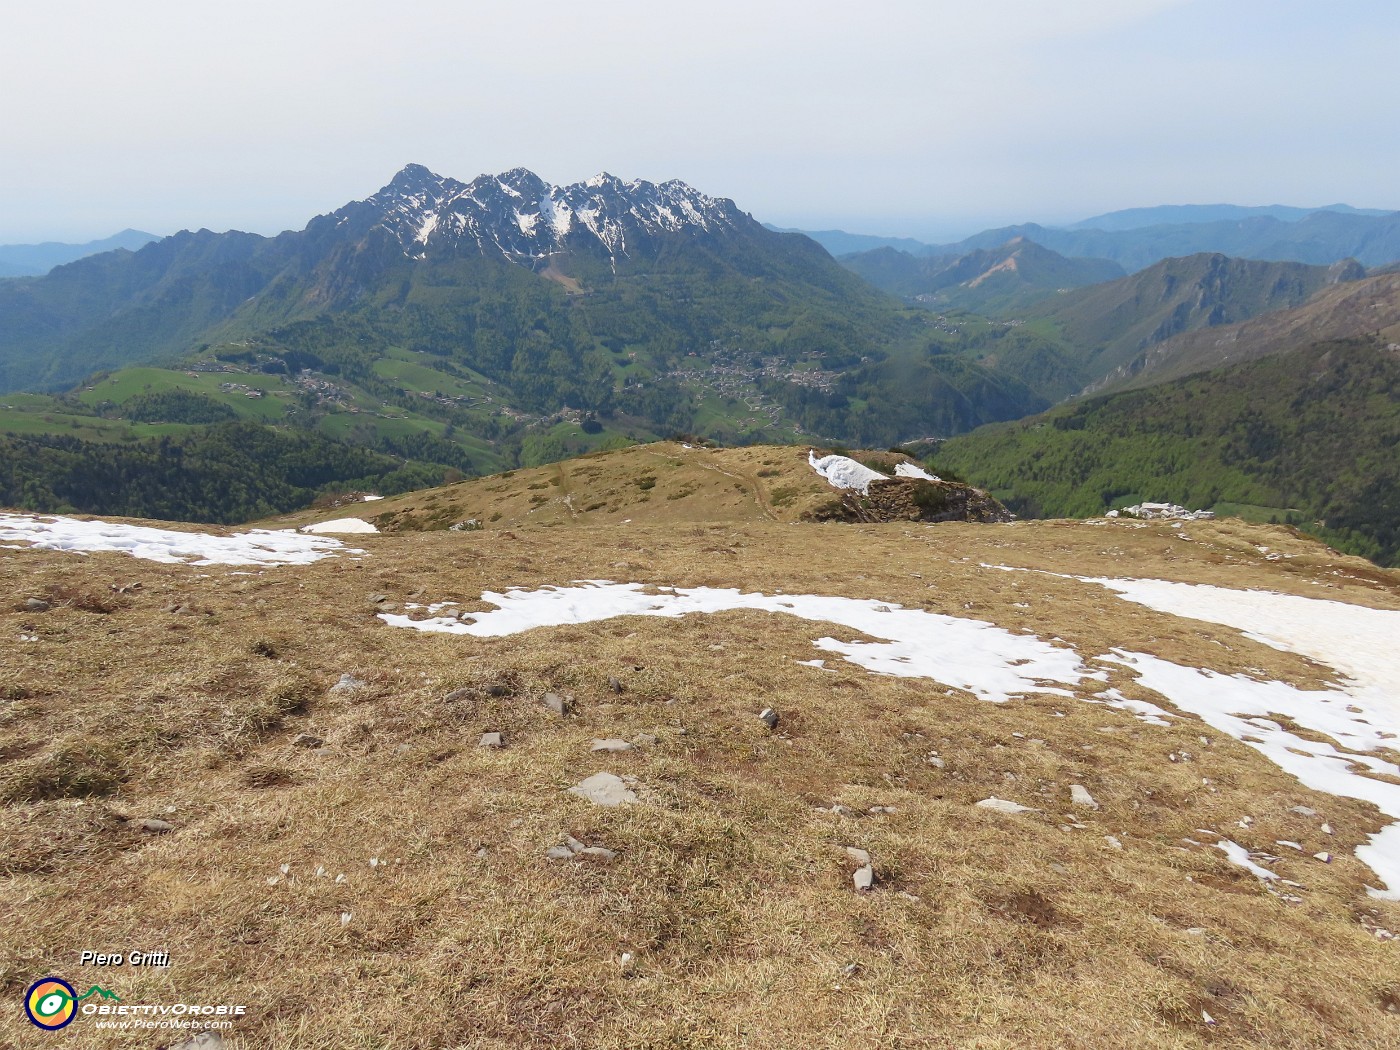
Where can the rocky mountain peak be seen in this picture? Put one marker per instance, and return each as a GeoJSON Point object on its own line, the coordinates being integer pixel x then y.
{"type": "Point", "coordinates": [519, 215]}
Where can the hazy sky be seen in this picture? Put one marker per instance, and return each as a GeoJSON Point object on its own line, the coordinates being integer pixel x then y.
{"type": "Point", "coordinates": [921, 117]}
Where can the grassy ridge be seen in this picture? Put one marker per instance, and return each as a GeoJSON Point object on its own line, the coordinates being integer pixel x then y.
{"type": "Point", "coordinates": [1314, 430]}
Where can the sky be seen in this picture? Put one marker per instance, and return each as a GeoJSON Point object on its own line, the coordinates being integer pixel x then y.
{"type": "Point", "coordinates": [922, 118]}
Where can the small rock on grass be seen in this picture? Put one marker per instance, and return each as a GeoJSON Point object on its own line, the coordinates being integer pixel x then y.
{"type": "Point", "coordinates": [348, 684]}
{"type": "Point", "coordinates": [492, 740]}
{"type": "Point", "coordinates": [559, 853]}
{"type": "Point", "coordinates": [864, 878]}
{"type": "Point", "coordinates": [1079, 795]}
{"type": "Point", "coordinates": [611, 744]}
{"type": "Point", "coordinates": [769, 717]}
{"type": "Point", "coordinates": [614, 684]}
{"type": "Point", "coordinates": [1001, 805]}
{"type": "Point", "coordinates": [556, 703]}
{"type": "Point", "coordinates": [859, 857]}
{"type": "Point", "coordinates": [200, 1041]}
{"type": "Point", "coordinates": [307, 740]}
{"type": "Point", "coordinates": [604, 789]}
{"type": "Point", "coordinates": [36, 605]}
{"type": "Point", "coordinates": [156, 826]}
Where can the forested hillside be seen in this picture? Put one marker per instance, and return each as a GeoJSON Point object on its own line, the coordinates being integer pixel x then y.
{"type": "Point", "coordinates": [1310, 437]}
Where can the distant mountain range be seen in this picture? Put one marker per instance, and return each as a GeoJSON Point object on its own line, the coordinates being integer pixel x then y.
{"type": "Point", "coordinates": [640, 308]}
{"type": "Point", "coordinates": [1181, 214]}
{"type": "Point", "coordinates": [1139, 237]}
{"type": "Point", "coordinates": [1008, 277]}
{"type": "Point", "coordinates": [31, 260]}
{"type": "Point", "coordinates": [1109, 325]}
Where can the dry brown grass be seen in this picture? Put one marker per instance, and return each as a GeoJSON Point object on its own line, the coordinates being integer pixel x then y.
{"type": "Point", "coordinates": [731, 888]}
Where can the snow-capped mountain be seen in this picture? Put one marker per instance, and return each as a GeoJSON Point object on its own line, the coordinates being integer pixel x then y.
{"type": "Point", "coordinates": [519, 215]}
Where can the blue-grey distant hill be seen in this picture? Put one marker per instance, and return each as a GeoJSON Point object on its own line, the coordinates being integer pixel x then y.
{"type": "Point", "coordinates": [839, 242]}
{"type": "Point", "coordinates": [1319, 237]}
{"type": "Point", "coordinates": [33, 260]}
{"type": "Point", "coordinates": [1178, 214]}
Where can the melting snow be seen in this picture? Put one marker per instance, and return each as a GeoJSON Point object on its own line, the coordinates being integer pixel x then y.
{"type": "Point", "coordinates": [341, 526]}
{"type": "Point", "coordinates": [910, 470]}
{"type": "Point", "coordinates": [995, 664]}
{"type": "Point", "coordinates": [258, 547]}
{"type": "Point", "coordinates": [1361, 712]}
{"type": "Point", "coordinates": [844, 473]}
{"type": "Point", "coordinates": [968, 654]}
{"type": "Point", "coordinates": [1237, 854]}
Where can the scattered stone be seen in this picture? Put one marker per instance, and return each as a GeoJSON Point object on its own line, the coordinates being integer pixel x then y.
{"type": "Point", "coordinates": [1079, 796]}
{"type": "Point", "coordinates": [850, 969]}
{"type": "Point", "coordinates": [859, 857]}
{"type": "Point", "coordinates": [307, 740]}
{"type": "Point", "coordinates": [911, 897]}
{"type": "Point", "coordinates": [492, 740]}
{"type": "Point", "coordinates": [611, 744]}
{"type": "Point", "coordinates": [556, 703]}
{"type": "Point", "coordinates": [875, 811]}
{"type": "Point", "coordinates": [574, 845]}
{"type": "Point", "coordinates": [482, 853]}
{"type": "Point", "coordinates": [348, 684]}
{"type": "Point", "coordinates": [597, 853]}
{"type": "Point", "coordinates": [1058, 868]}
{"type": "Point", "coordinates": [1113, 842]}
{"type": "Point", "coordinates": [378, 599]}
{"type": "Point", "coordinates": [559, 853]}
{"type": "Point", "coordinates": [458, 695]}
{"type": "Point", "coordinates": [36, 605]}
{"type": "Point", "coordinates": [207, 1040]}
{"type": "Point", "coordinates": [1325, 857]}
{"type": "Point", "coordinates": [497, 689]}
{"type": "Point", "coordinates": [1001, 805]}
{"type": "Point", "coordinates": [1303, 811]}
{"type": "Point", "coordinates": [843, 811]}
{"type": "Point", "coordinates": [769, 717]}
{"type": "Point", "coordinates": [614, 684]}
{"type": "Point", "coordinates": [156, 826]}
{"type": "Point", "coordinates": [1327, 829]}
{"type": "Point", "coordinates": [644, 739]}
{"type": "Point", "coordinates": [936, 762]}
{"type": "Point", "coordinates": [604, 789]}
{"type": "Point", "coordinates": [864, 879]}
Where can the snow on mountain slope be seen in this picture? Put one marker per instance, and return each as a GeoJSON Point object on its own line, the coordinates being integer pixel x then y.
{"type": "Point", "coordinates": [518, 214]}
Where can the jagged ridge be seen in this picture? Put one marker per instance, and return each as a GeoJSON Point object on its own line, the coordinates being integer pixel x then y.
{"type": "Point", "coordinates": [519, 214]}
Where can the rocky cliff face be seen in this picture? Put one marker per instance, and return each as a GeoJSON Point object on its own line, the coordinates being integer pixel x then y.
{"type": "Point", "coordinates": [913, 499]}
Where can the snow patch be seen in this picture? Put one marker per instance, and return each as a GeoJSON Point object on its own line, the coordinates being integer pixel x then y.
{"type": "Point", "coordinates": [979, 657]}
{"type": "Point", "coordinates": [343, 526]}
{"type": "Point", "coordinates": [1238, 855]}
{"type": "Point", "coordinates": [258, 547]}
{"type": "Point", "coordinates": [911, 470]}
{"type": "Point", "coordinates": [841, 472]}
